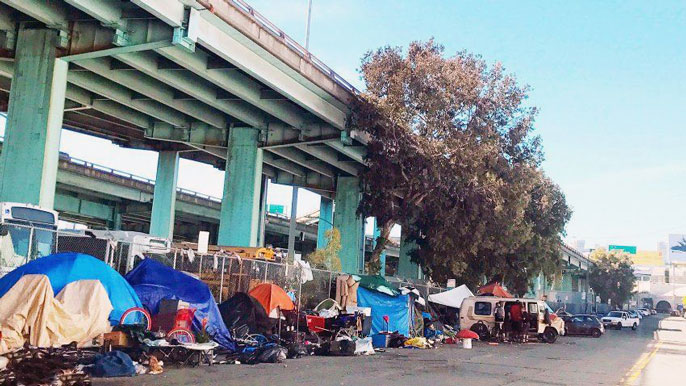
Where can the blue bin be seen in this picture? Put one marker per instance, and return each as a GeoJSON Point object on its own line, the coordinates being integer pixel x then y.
{"type": "Point", "coordinates": [380, 340]}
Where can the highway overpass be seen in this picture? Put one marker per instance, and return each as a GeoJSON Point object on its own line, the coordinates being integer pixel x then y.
{"type": "Point", "coordinates": [207, 80]}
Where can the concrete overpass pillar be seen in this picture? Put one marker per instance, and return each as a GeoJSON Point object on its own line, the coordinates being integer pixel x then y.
{"type": "Point", "coordinates": [349, 224]}
{"type": "Point", "coordinates": [407, 268]}
{"type": "Point", "coordinates": [239, 218]}
{"type": "Point", "coordinates": [30, 154]}
{"type": "Point", "coordinates": [325, 220]}
{"type": "Point", "coordinates": [382, 258]}
{"type": "Point", "coordinates": [164, 200]}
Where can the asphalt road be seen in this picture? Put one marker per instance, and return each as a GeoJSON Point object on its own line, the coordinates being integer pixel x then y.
{"type": "Point", "coordinates": [648, 356]}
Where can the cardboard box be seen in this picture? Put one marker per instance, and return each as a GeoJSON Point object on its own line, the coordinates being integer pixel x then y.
{"type": "Point", "coordinates": [117, 339]}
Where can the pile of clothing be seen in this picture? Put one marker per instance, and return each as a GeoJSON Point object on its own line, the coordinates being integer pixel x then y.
{"type": "Point", "coordinates": [346, 290]}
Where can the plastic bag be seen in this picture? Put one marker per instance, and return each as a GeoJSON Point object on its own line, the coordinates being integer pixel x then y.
{"type": "Point", "coordinates": [273, 354]}
{"type": "Point", "coordinates": [364, 347]}
{"type": "Point", "coordinates": [297, 350]}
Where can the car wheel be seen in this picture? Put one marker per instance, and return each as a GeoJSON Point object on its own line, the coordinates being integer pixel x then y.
{"type": "Point", "coordinates": [619, 326]}
{"type": "Point", "coordinates": [550, 335]}
{"type": "Point", "coordinates": [596, 333]}
{"type": "Point", "coordinates": [634, 327]}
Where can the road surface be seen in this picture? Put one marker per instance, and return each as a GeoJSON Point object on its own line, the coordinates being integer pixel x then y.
{"type": "Point", "coordinates": [652, 355]}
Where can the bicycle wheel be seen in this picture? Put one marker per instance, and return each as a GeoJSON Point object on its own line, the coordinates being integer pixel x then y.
{"type": "Point", "coordinates": [182, 335]}
{"type": "Point", "coordinates": [134, 310]}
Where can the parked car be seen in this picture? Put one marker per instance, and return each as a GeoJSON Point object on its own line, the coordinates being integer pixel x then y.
{"type": "Point", "coordinates": [584, 324]}
{"type": "Point", "coordinates": [477, 314]}
{"type": "Point", "coordinates": [653, 311]}
{"type": "Point", "coordinates": [619, 319]}
{"type": "Point", "coordinates": [643, 311]}
{"type": "Point", "coordinates": [635, 314]}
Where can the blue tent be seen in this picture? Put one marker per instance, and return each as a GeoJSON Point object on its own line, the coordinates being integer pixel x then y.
{"type": "Point", "coordinates": [154, 281]}
{"type": "Point", "coordinates": [64, 268]}
{"type": "Point", "coordinates": [396, 307]}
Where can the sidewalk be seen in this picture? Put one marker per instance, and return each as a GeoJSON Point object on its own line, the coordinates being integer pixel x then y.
{"type": "Point", "coordinates": [663, 363]}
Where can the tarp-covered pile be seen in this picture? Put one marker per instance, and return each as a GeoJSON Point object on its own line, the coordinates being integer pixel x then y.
{"type": "Point", "coordinates": [78, 313]}
{"type": "Point", "coordinates": [154, 281]}
{"type": "Point", "coordinates": [91, 297]}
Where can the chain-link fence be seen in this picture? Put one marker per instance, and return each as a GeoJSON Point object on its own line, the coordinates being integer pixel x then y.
{"type": "Point", "coordinates": [225, 273]}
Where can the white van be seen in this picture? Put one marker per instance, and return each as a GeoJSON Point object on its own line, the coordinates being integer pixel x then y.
{"type": "Point", "coordinates": [27, 232]}
{"type": "Point", "coordinates": [120, 249]}
{"type": "Point", "coordinates": [477, 314]}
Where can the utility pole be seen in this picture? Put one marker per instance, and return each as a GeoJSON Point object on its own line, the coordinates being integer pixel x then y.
{"type": "Point", "coordinates": [292, 224]}
{"type": "Point", "coordinates": [307, 27]}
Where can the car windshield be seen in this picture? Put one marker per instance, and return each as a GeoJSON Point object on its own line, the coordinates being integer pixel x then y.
{"type": "Point", "coordinates": [615, 314]}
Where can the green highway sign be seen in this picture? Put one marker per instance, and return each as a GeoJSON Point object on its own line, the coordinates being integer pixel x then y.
{"type": "Point", "coordinates": [278, 209]}
{"type": "Point", "coordinates": [626, 248]}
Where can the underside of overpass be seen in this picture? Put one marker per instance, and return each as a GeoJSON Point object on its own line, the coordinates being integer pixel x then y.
{"type": "Point", "coordinates": [207, 80]}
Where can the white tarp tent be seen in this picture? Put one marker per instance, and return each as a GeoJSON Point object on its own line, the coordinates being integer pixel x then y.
{"type": "Point", "coordinates": [30, 311]}
{"type": "Point", "coordinates": [452, 298]}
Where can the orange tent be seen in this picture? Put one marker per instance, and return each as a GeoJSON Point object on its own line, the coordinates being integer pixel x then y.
{"type": "Point", "coordinates": [272, 296]}
{"type": "Point", "coordinates": [493, 289]}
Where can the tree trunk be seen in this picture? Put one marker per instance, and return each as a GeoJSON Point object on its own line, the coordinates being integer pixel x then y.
{"type": "Point", "coordinates": [381, 241]}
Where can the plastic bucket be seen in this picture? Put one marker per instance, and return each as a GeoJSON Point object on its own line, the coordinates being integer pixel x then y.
{"type": "Point", "coordinates": [467, 343]}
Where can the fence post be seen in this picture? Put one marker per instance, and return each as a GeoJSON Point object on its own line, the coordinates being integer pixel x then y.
{"type": "Point", "coordinates": [330, 278]}
{"type": "Point", "coordinates": [221, 279]}
{"type": "Point", "coordinates": [176, 251]}
{"type": "Point", "coordinates": [300, 292]}
{"type": "Point", "coordinates": [266, 267]}
{"type": "Point", "coordinates": [200, 268]}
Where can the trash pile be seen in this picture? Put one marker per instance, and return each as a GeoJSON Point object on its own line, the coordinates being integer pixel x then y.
{"type": "Point", "coordinates": [69, 316]}
{"type": "Point", "coordinates": [45, 366]}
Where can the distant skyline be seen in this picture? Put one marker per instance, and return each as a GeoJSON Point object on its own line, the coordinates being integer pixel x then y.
{"type": "Point", "coordinates": [609, 78]}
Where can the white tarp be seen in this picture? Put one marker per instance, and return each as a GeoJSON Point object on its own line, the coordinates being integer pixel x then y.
{"type": "Point", "coordinates": [452, 298]}
{"type": "Point", "coordinates": [30, 311]}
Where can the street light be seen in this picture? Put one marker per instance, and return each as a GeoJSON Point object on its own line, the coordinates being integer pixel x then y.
{"type": "Point", "coordinates": [307, 27]}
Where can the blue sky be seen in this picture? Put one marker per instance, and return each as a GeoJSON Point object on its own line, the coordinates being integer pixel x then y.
{"type": "Point", "coordinates": [609, 78]}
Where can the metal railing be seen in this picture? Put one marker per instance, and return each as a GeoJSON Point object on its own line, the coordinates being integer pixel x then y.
{"type": "Point", "coordinates": [275, 31]}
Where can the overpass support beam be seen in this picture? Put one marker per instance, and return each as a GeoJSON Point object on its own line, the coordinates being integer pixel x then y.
{"type": "Point", "coordinates": [325, 221]}
{"type": "Point", "coordinates": [349, 223]}
{"type": "Point", "coordinates": [240, 212]}
{"type": "Point", "coordinates": [406, 267]}
{"type": "Point", "coordinates": [30, 155]}
{"type": "Point", "coordinates": [164, 200]}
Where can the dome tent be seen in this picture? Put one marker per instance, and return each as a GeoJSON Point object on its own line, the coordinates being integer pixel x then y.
{"type": "Point", "coordinates": [64, 268]}
{"type": "Point", "coordinates": [154, 281]}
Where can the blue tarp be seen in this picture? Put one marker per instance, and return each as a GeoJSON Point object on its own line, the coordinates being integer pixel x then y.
{"type": "Point", "coordinates": [154, 281]}
{"type": "Point", "coordinates": [396, 307]}
{"type": "Point", "coordinates": [64, 268]}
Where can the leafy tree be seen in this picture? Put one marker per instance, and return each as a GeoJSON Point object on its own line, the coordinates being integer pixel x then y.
{"type": "Point", "coordinates": [611, 277]}
{"type": "Point", "coordinates": [327, 257]}
{"type": "Point", "coordinates": [453, 161]}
